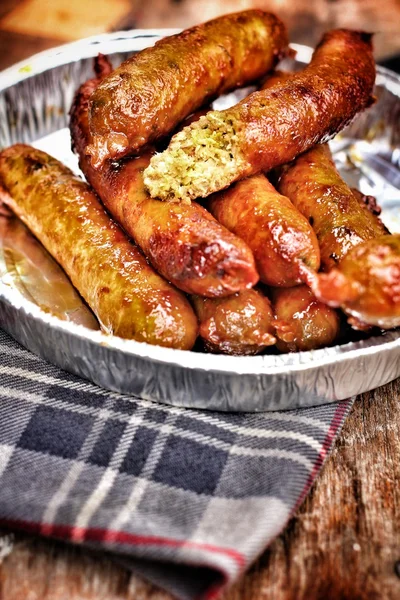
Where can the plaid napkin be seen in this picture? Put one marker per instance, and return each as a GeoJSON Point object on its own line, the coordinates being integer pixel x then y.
{"type": "Point", "coordinates": [186, 498]}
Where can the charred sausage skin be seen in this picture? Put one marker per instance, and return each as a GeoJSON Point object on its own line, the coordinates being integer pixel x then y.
{"type": "Point", "coordinates": [151, 92]}
{"type": "Point", "coordinates": [127, 296]}
{"type": "Point", "coordinates": [270, 127]}
{"type": "Point", "coordinates": [366, 284]}
{"type": "Point", "coordinates": [280, 238]}
{"type": "Point", "coordinates": [342, 218]}
{"type": "Point", "coordinates": [338, 218]}
{"type": "Point", "coordinates": [184, 243]}
{"type": "Point", "coordinates": [240, 325]}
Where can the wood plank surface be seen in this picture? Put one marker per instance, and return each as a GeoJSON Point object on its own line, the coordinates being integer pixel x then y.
{"type": "Point", "coordinates": [344, 541]}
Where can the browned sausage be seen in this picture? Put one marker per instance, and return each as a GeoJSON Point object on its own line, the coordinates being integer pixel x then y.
{"type": "Point", "coordinates": [184, 243]}
{"type": "Point", "coordinates": [241, 324]}
{"type": "Point", "coordinates": [367, 202]}
{"type": "Point", "coordinates": [302, 322]}
{"type": "Point", "coordinates": [280, 237]}
{"type": "Point", "coordinates": [127, 296]}
{"type": "Point", "coordinates": [151, 92]}
{"type": "Point", "coordinates": [276, 78]}
{"type": "Point", "coordinates": [315, 187]}
{"type": "Point", "coordinates": [366, 283]}
{"type": "Point", "coordinates": [38, 277]}
{"type": "Point", "coordinates": [270, 127]}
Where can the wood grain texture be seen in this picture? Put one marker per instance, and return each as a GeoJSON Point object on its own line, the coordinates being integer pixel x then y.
{"type": "Point", "coordinates": [65, 20]}
{"type": "Point", "coordinates": [345, 540]}
{"type": "Point", "coordinates": [306, 20]}
{"type": "Point", "coordinates": [15, 46]}
{"type": "Point", "coordinates": [343, 543]}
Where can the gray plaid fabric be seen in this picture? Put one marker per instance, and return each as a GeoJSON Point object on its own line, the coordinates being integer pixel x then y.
{"type": "Point", "coordinates": [187, 498]}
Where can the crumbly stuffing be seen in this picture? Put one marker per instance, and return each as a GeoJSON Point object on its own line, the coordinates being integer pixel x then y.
{"type": "Point", "coordinates": [202, 158]}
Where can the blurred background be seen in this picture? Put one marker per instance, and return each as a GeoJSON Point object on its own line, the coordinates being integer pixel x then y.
{"type": "Point", "coordinates": [29, 26]}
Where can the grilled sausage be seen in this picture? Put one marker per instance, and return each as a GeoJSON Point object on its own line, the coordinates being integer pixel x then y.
{"type": "Point", "coordinates": [270, 127]}
{"type": "Point", "coordinates": [127, 296]}
{"type": "Point", "coordinates": [38, 277]}
{"type": "Point", "coordinates": [239, 325]}
{"type": "Point", "coordinates": [338, 218]}
{"type": "Point", "coordinates": [276, 78]}
{"type": "Point", "coordinates": [184, 243]}
{"type": "Point", "coordinates": [151, 92]}
{"type": "Point", "coordinates": [302, 322]}
{"type": "Point", "coordinates": [366, 284]}
{"type": "Point", "coordinates": [367, 202]}
{"type": "Point", "coordinates": [280, 237]}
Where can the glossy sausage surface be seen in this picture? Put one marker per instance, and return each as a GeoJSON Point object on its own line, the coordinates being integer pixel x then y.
{"type": "Point", "coordinates": [37, 276]}
{"type": "Point", "coordinates": [302, 322]}
{"type": "Point", "coordinates": [151, 92]}
{"type": "Point", "coordinates": [184, 243]}
{"type": "Point", "coordinates": [338, 218]}
{"type": "Point", "coordinates": [270, 127]}
{"type": "Point", "coordinates": [127, 296]}
{"type": "Point", "coordinates": [366, 284]}
{"type": "Point", "coordinates": [280, 237]}
{"type": "Point", "coordinates": [275, 78]}
{"type": "Point", "coordinates": [241, 324]}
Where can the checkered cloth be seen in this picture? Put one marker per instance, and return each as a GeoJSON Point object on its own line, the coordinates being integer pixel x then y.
{"type": "Point", "coordinates": [186, 498]}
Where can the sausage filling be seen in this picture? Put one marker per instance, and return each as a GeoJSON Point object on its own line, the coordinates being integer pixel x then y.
{"type": "Point", "coordinates": [205, 152]}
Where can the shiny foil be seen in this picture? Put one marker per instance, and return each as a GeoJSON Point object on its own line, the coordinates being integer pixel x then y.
{"type": "Point", "coordinates": [40, 308]}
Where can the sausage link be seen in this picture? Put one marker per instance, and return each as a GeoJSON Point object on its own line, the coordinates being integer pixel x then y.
{"type": "Point", "coordinates": [368, 203]}
{"type": "Point", "coordinates": [183, 243]}
{"type": "Point", "coordinates": [150, 93]}
{"type": "Point", "coordinates": [270, 127]}
{"type": "Point", "coordinates": [317, 189]}
{"type": "Point", "coordinates": [38, 277]}
{"type": "Point", "coordinates": [340, 222]}
{"type": "Point", "coordinates": [241, 324]}
{"type": "Point", "coordinates": [342, 217]}
{"type": "Point", "coordinates": [280, 237]}
{"type": "Point", "coordinates": [366, 284]}
{"type": "Point", "coordinates": [302, 322]}
{"type": "Point", "coordinates": [275, 78]}
{"type": "Point", "coordinates": [127, 296]}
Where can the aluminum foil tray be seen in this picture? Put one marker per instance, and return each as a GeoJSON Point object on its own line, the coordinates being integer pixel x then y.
{"type": "Point", "coordinates": [40, 309]}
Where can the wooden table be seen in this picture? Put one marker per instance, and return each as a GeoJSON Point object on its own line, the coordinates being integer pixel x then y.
{"type": "Point", "coordinates": [344, 541]}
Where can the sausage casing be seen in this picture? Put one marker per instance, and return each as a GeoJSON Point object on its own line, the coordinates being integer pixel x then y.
{"type": "Point", "coordinates": [151, 92]}
{"type": "Point", "coordinates": [280, 237]}
{"type": "Point", "coordinates": [366, 283]}
{"type": "Point", "coordinates": [184, 243]}
{"type": "Point", "coordinates": [338, 218]}
{"type": "Point", "coordinates": [302, 322]}
{"type": "Point", "coordinates": [127, 296]}
{"type": "Point", "coordinates": [277, 77]}
{"type": "Point", "coordinates": [241, 324]}
{"type": "Point", "coordinates": [270, 127]}
{"type": "Point", "coordinates": [37, 276]}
